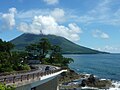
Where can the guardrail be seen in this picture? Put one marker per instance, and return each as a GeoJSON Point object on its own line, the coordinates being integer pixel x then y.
{"type": "Point", "coordinates": [16, 72]}
{"type": "Point", "coordinates": [12, 79]}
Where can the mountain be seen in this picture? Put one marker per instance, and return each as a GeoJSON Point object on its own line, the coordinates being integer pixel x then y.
{"type": "Point", "coordinates": [66, 45]}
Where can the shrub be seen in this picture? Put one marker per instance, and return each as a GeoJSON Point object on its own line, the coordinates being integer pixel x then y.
{"type": "Point", "coordinates": [25, 67]}
{"type": "Point", "coordinates": [4, 87]}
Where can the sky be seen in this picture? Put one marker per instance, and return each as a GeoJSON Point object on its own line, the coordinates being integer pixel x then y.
{"type": "Point", "coordinates": [90, 23]}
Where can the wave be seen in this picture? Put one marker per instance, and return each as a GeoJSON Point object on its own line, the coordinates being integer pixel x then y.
{"type": "Point", "coordinates": [115, 85]}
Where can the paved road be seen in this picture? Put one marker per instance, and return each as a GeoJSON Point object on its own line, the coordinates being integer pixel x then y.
{"type": "Point", "coordinates": [41, 68]}
{"type": "Point", "coordinates": [25, 75]}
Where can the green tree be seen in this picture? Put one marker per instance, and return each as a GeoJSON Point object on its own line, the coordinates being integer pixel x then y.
{"type": "Point", "coordinates": [56, 57]}
{"type": "Point", "coordinates": [10, 61]}
{"type": "Point", "coordinates": [6, 47]}
{"type": "Point", "coordinates": [4, 56]}
{"type": "Point", "coordinates": [32, 48]}
{"type": "Point", "coordinates": [40, 49]}
{"type": "Point", "coordinates": [66, 61]}
{"type": "Point", "coordinates": [55, 54]}
{"type": "Point", "coordinates": [43, 48]}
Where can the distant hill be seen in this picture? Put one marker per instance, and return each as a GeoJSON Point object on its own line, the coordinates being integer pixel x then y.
{"type": "Point", "coordinates": [66, 45]}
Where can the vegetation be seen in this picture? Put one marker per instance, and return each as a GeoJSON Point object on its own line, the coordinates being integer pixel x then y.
{"type": "Point", "coordinates": [44, 50]}
{"type": "Point", "coordinates": [15, 61]}
{"type": "Point", "coordinates": [48, 53]}
{"type": "Point", "coordinates": [4, 87]}
{"type": "Point", "coordinates": [67, 46]}
{"type": "Point", "coordinates": [11, 61]}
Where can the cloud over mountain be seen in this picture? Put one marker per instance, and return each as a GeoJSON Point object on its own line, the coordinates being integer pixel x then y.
{"type": "Point", "coordinates": [48, 22]}
{"type": "Point", "coordinates": [48, 25]}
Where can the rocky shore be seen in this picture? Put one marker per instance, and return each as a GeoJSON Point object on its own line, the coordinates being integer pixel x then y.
{"type": "Point", "coordinates": [74, 81]}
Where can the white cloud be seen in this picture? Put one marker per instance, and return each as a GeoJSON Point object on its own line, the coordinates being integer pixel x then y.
{"type": "Point", "coordinates": [103, 13]}
{"type": "Point", "coordinates": [58, 14]}
{"type": "Point", "coordinates": [9, 18]}
{"type": "Point", "coordinates": [108, 48]}
{"type": "Point", "coordinates": [51, 2]}
{"type": "Point", "coordinates": [101, 9]}
{"type": "Point", "coordinates": [45, 20]}
{"type": "Point", "coordinates": [48, 25]}
{"type": "Point", "coordinates": [31, 13]}
{"type": "Point", "coordinates": [85, 19]}
{"type": "Point", "coordinates": [100, 34]}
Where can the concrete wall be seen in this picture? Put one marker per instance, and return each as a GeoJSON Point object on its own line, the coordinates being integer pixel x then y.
{"type": "Point", "coordinates": [46, 84]}
{"type": "Point", "coordinates": [50, 85]}
{"type": "Point", "coordinates": [25, 87]}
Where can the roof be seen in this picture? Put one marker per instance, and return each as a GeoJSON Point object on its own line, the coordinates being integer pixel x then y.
{"type": "Point", "coordinates": [34, 61]}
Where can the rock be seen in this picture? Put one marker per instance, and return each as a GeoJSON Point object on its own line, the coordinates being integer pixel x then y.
{"type": "Point", "coordinates": [83, 83]}
{"type": "Point", "coordinates": [68, 76]}
{"type": "Point", "coordinates": [91, 79]}
{"type": "Point", "coordinates": [94, 82]}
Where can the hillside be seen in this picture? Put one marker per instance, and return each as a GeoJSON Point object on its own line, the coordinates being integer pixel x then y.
{"type": "Point", "coordinates": [66, 45]}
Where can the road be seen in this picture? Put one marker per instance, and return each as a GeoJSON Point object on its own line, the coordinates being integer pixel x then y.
{"type": "Point", "coordinates": [40, 68]}
{"type": "Point", "coordinates": [16, 77]}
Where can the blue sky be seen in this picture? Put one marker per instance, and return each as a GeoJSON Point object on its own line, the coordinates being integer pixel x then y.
{"type": "Point", "coordinates": [91, 23]}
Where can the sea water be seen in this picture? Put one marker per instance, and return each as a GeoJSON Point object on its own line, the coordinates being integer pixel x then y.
{"type": "Point", "coordinates": [104, 66]}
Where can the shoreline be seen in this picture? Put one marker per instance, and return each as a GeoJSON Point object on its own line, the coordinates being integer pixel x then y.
{"type": "Point", "coordinates": [74, 84]}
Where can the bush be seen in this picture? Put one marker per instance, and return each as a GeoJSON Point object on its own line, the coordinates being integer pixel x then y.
{"type": "Point", "coordinates": [25, 67]}
{"type": "Point", "coordinates": [45, 61]}
{"type": "Point", "coordinates": [6, 68]}
{"type": "Point", "coordinates": [4, 87]}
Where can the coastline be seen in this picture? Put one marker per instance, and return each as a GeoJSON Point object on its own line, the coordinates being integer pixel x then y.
{"type": "Point", "coordinates": [75, 80]}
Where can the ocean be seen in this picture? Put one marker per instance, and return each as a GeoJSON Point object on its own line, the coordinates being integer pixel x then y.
{"type": "Point", "coordinates": [104, 66]}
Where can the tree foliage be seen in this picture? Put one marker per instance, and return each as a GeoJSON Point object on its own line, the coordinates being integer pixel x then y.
{"type": "Point", "coordinates": [48, 53]}
{"type": "Point", "coordinates": [4, 87]}
{"type": "Point", "coordinates": [6, 46]}
{"type": "Point", "coordinates": [11, 61]}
